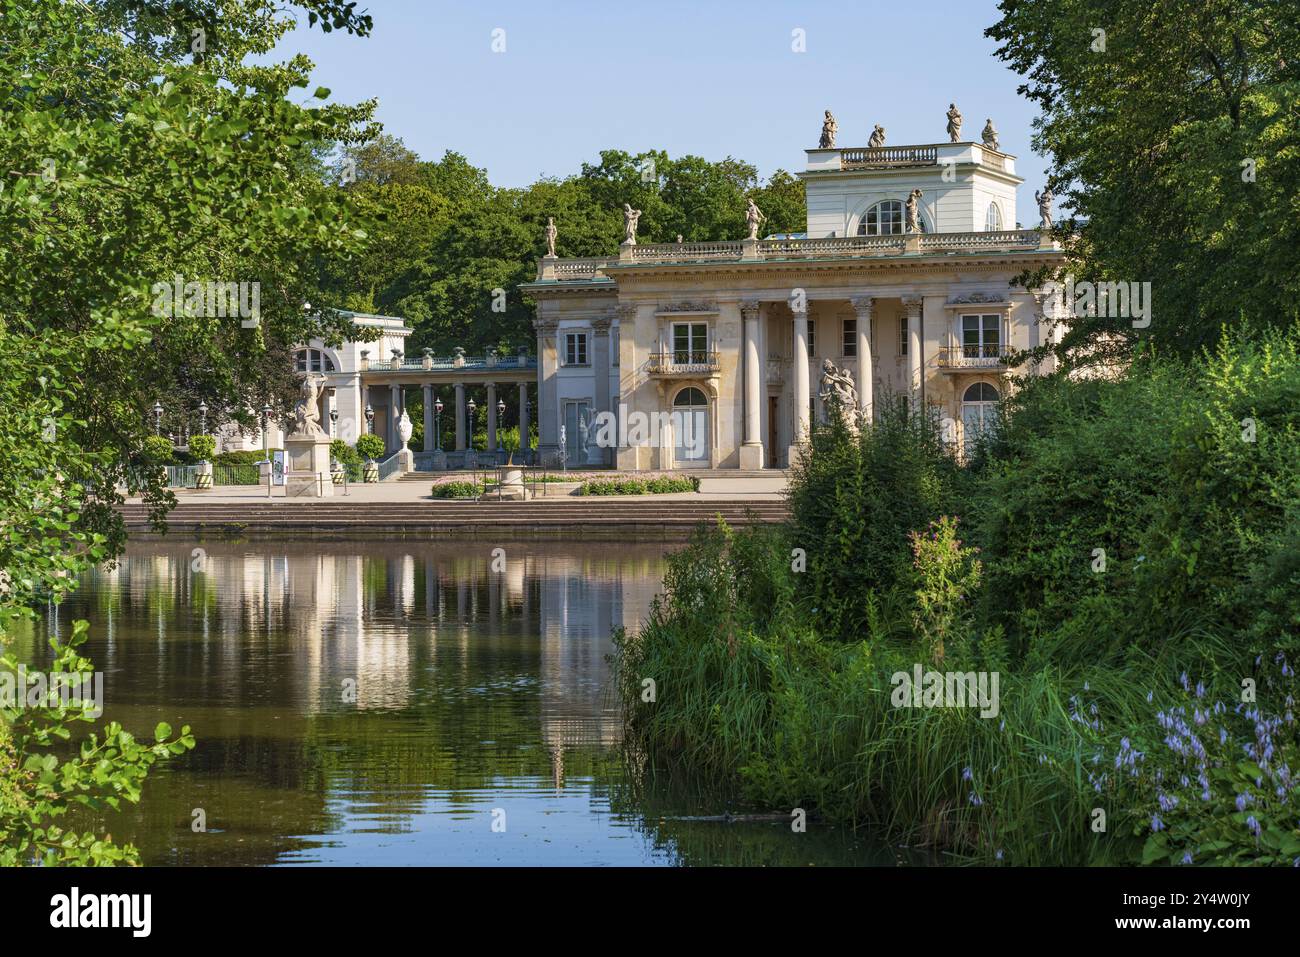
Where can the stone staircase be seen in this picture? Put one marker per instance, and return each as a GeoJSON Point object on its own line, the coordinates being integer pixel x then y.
{"type": "Point", "coordinates": [604, 518]}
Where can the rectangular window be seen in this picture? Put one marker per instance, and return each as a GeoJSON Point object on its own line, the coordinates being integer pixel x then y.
{"type": "Point", "coordinates": [575, 349]}
{"type": "Point", "coordinates": [812, 337]}
{"type": "Point", "coordinates": [980, 337]}
{"type": "Point", "coordinates": [850, 338]}
{"type": "Point", "coordinates": [690, 342]}
{"type": "Point", "coordinates": [615, 344]}
{"type": "Point", "coordinates": [902, 336]}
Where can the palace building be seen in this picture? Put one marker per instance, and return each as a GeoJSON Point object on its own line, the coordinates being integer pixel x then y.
{"type": "Point", "coordinates": [721, 346]}
{"type": "Point", "coordinates": [714, 355]}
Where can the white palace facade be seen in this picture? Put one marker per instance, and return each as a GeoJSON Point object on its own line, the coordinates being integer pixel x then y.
{"type": "Point", "coordinates": [721, 346]}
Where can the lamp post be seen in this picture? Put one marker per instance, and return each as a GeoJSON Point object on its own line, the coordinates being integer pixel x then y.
{"type": "Point", "coordinates": [471, 407]}
{"type": "Point", "coordinates": [203, 418]}
{"type": "Point", "coordinates": [157, 418]}
{"type": "Point", "coordinates": [437, 424]}
{"type": "Point", "coordinates": [334, 423]}
{"type": "Point", "coordinates": [266, 445]}
{"type": "Point", "coordinates": [370, 419]}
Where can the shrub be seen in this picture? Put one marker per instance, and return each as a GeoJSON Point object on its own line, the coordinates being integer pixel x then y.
{"type": "Point", "coordinates": [158, 451]}
{"type": "Point", "coordinates": [202, 447]}
{"type": "Point", "coordinates": [370, 446]}
{"type": "Point", "coordinates": [343, 453]}
{"type": "Point", "coordinates": [661, 485]}
{"type": "Point", "coordinates": [251, 457]}
{"type": "Point", "coordinates": [456, 490]}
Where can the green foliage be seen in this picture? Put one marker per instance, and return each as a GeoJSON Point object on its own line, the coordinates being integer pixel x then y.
{"type": "Point", "coordinates": [370, 446]}
{"type": "Point", "coordinates": [251, 457]}
{"type": "Point", "coordinates": [202, 447]}
{"type": "Point", "coordinates": [158, 450]}
{"type": "Point", "coordinates": [1195, 104]}
{"type": "Point", "coordinates": [456, 490]}
{"type": "Point", "coordinates": [660, 485]}
{"type": "Point", "coordinates": [40, 783]}
{"type": "Point", "coordinates": [947, 581]}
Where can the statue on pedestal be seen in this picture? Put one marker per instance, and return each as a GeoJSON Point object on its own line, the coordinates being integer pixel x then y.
{"type": "Point", "coordinates": [1044, 200]}
{"type": "Point", "coordinates": [551, 234]}
{"type": "Point", "coordinates": [754, 218]}
{"type": "Point", "coordinates": [829, 129]}
{"type": "Point", "coordinates": [990, 135]}
{"type": "Point", "coordinates": [877, 137]}
{"type": "Point", "coordinates": [630, 219]}
{"type": "Point", "coordinates": [306, 413]}
{"type": "Point", "coordinates": [838, 394]}
{"type": "Point", "coordinates": [954, 123]}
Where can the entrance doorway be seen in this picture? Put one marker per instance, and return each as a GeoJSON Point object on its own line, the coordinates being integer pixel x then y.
{"type": "Point", "coordinates": [690, 418]}
{"type": "Point", "coordinates": [773, 410]}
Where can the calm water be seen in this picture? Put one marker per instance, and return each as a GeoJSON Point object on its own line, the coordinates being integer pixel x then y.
{"type": "Point", "coordinates": [384, 703]}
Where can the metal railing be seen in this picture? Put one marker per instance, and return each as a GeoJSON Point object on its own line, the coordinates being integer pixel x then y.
{"type": "Point", "coordinates": [972, 356]}
{"type": "Point", "coordinates": [683, 362]}
{"type": "Point", "coordinates": [390, 466]}
{"type": "Point", "coordinates": [182, 476]}
{"type": "Point", "coordinates": [236, 474]}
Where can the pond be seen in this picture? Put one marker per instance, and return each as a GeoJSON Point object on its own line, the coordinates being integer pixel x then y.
{"type": "Point", "coordinates": [399, 703]}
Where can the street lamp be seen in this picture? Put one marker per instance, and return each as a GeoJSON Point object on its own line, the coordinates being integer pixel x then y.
{"type": "Point", "coordinates": [266, 437]}
{"type": "Point", "coordinates": [203, 418]}
{"type": "Point", "coordinates": [437, 424]}
{"type": "Point", "coordinates": [471, 408]}
{"type": "Point", "coordinates": [157, 417]}
{"type": "Point", "coordinates": [334, 423]}
{"type": "Point", "coordinates": [501, 410]}
{"type": "Point", "coordinates": [370, 419]}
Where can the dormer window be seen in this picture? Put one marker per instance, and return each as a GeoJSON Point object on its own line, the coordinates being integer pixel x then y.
{"type": "Point", "coordinates": [993, 219]}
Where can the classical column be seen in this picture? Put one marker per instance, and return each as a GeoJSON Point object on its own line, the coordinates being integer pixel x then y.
{"type": "Point", "coordinates": [492, 416]}
{"type": "Point", "coordinates": [751, 451]}
{"type": "Point", "coordinates": [394, 413]}
{"type": "Point", "coordinates": [802, 390]}
{"type": "Point", "coordinates": [862, 307]}
{"type": "Point", "coordinates": [428, 417]}
{"type": "Point", "coordinates": [525, 417]}
{"type": "Point", "coordinates": [548, 411]}
{"type": "Point", "coordinates": [913, 306]}
{"type": "Point", "coordinates": [600, 366]}
{"type": "Point", "coordinates": [460, 417]}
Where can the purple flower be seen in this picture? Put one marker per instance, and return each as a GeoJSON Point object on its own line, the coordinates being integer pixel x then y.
{"type": "Point", "coordinates": [1156, 823]}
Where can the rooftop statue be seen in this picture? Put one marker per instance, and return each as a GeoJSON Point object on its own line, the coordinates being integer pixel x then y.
{"type": "Point", "coordinates": [551, 234]}
{"type": "Point", "coordinates": [990, 136]}
{"type": "Point", "coordinates": [754, 217]}
{"type": "Point", "coordinates": [1044, 200]}
{"type": "Point", "coordinates": [954, 123]}
{"type": "Point", "coordinates": [877, 137]}
{"type": "Point", "coordinates": [630, 218]}
{"type": "Point", "coordinates": [913, 213]}
{"type": "Point", "coordinates": [829, 129]}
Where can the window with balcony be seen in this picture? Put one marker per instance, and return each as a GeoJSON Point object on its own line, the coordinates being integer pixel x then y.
{"type": "Point", "coordinates": [690, 342]}
{"type": "Point", "coordinates": [981, 337]}
{"type": "Point", "coordinates": [993, 219]}
{"type": "Point", "coordinates": [575, 349]}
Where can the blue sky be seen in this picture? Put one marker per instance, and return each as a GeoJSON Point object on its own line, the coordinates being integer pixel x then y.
{"type": "Point", "coordinates": [708, 78]}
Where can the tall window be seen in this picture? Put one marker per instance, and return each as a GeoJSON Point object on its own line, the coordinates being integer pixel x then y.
{"type": "Point", "coordinates": [979, 407]}
{"type": "Point", "coordinates": [313, 360]}
{"type": "Point", "coordinates": [902, 335]}
{"type": "Point", "coordinates": [575, 348]}
{"type": "Point", "coordinates": [615, 344]}
{"type": "Point", "coordinates": [980, 337]}
{"type": "Point", "coordinates": [993, 219]}
{"type": "Point", "coordinates": [850, 347]}
{"type": "Point", "coordinates": [690, 342]}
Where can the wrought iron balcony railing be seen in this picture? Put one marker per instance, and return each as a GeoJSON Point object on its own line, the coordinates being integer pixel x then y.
{"type": "Point", "coordinates": [982, 356]}
{"type": "Point", "coordinates": [683, 362]}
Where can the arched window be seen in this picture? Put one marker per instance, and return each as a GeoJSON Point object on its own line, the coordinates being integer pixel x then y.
{"type": "Point", "coordinates": [314, 360]}
{"type": "Point", "coordinates": [883, 219]}
{"type": "Point", "coordinates": [690, 397]}
{"type": "Point", "coordinates": [993, 219]}
{"type": "Point", "coordinates": [979, 409]}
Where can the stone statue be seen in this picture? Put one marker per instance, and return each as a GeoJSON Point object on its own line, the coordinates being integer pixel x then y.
{"type": "Point", "coordinates": [584, 436]}
{"type": "Point", "coordinates": [306, 414]}
{"type": "Point", "coordinates": [551, 234]}
{"type": "Point", "coordinates": [954, 123]}
{"type": "Point", "coordinates": [679, 239]}
{"type": "Point", "coordinates": [990, 136]}
{"type": "Point", "coordinates": [913, 212]}
{"type": "Point", "coordinates": [1044, 200]}
{"type": "Point", "coordinates": [754, 217]}
{"type": "Point", "coordinates": [630, 218]}
{"type": "Point", "coordinates": [838, 393]}
{"type": "Point", "coordinates": [877, 137]}
{"type": "Point", "coordinates": [829, 129]}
